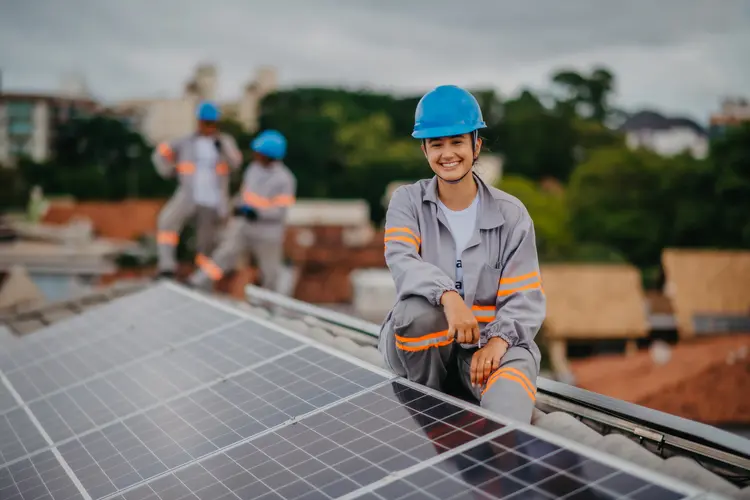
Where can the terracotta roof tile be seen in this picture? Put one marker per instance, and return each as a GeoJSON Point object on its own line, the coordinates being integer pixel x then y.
{"type": "Point", "coordinates": [702, 379]}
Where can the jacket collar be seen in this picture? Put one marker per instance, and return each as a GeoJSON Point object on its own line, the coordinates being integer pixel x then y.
{"type": "Point", "coordinates": [490, 208]}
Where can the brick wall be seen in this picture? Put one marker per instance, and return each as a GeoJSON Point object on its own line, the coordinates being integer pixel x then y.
{"type": "Point", "coordinates": [127, 219]}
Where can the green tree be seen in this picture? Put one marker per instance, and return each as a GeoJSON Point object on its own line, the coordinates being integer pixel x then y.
{"type": "Point", "coordinates": [98, 158]}
{"type": "Point", "coordinates": [617, 199]}
{"type": "Point", "coordinates": [537, 142]}
{"type": "Point", "coordinates": [730, 162]}
{"type": "Point", "coordinates": [588, 94]}
{"type": "Point", "coordinates": [549, 212]}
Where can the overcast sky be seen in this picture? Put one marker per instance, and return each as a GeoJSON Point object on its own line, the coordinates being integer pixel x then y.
{"type": "Point", "coordinates": [679, 56]}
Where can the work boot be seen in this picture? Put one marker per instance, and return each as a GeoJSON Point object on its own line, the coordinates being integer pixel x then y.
{"type": "Point", "coordinates": [164, 275]}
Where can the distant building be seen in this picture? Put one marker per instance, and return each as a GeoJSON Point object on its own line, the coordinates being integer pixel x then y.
{"type": "Point", "coordinates": [29, 122]}
{"type": "Point", "coordinates": [164, 119]}
{"type": "Point", "coordinates": [734, 111]}
{"type": "Point", "coordinates": [667, 136]}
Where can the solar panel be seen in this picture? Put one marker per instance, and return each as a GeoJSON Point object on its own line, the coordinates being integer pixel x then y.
{"type": "Point", "coordinates": [518, 465]}
{"type": "Point", "coordinates": [164, 394]}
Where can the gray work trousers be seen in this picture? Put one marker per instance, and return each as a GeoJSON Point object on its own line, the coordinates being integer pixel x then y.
{"type": "Point", "coordinates": [237, 241]}
{"type": "Point", "coordinates": [172, 219]}
{"type": "Point", "coordinates": [415, 345]}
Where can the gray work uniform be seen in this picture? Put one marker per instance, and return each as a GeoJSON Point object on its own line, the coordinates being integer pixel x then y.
{"type": "Point", "coordinates": [270, 191]}
{"type": "Point", "coordinates": [179, 158]}
{"type": "Point", "coordinates": [501, 283]}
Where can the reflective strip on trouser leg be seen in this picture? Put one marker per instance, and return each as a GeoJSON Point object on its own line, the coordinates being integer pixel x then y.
{"type": "Point", "coordinates": [511, 389]}
{"type": "Point", "coordinates": [224, 258]}
{"type": "Point", "coordinates": [437, 339]}
{"type": "Point", "coordinates": [170, 222]}
{"type": "Point", "coordinates": [209, 267]}
{"type": "Point", "coordinates": [422, 344]}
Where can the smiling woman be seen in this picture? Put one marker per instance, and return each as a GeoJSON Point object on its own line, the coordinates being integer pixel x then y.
{"type": "Point", "coordinates": [463, 257]}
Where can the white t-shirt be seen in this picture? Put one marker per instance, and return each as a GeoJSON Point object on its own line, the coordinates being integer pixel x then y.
{"type": "Point", "coordinates": [206, 190]}
{"type": "Point", "coordinates": [461, 224]}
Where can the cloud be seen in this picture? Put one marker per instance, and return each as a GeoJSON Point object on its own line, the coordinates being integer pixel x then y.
{"type": "Point", "coordinates": [676, 55]}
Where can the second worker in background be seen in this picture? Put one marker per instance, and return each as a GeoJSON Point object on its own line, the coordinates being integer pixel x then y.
{"type": "Point", "coordinates": [259, 221]}
{"type": "Point", "coordinates": [202, 162]}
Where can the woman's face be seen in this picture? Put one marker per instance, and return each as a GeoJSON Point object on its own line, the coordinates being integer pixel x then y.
{"type": "Point", "coordinates": [450, 157]}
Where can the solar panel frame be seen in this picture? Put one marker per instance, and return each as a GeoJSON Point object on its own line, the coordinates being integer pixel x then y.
{"type": "Point", "coordinates": [388, 377]}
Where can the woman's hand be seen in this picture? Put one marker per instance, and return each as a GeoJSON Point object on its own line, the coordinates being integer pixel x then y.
{"type": "Point", "coordinates": [462, 325]}
{"type": "Point", "coordinates": [486, 360]}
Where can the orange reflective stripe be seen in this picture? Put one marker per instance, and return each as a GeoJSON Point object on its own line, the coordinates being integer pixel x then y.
{"type": "Point", "coordinates": [520, 283]}
{"type": "Point", "coordinates": [516, 279]}
{"type": "Point", "coordinates": [209, 267]}
{"type": "Point", "coordinates": [283, 200]}
{"type": "Point", "coordinates": [254, 200]}
{"type": "Point", "coordinates": [222, 169]}
{"type": "Point", "coordinates": [404, 230]}
{"type": "Point", "coordinates": [530, 286]}
{"type": "Point", "coordinates": [185, 168]}
{"type": "Point", "coordinates": [257, 201]}
{"type": "Point", "coordinates": [484, 314]}
{"type": "Point", "coordinates": [410, 236]}
{"type": "Point", "coordinates": [513, 375]}
{"type": "Point", "coordinates": [167, 238]}
{"type": "Point", "coordinates": [423, 343]}
{"type": "Point", "coordinates": [402, 238]}
{"type": "Point", "coordinates": [165, 151]}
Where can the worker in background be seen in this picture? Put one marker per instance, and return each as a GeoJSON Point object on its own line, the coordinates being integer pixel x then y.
{"type": "Point", "coordinates": [464, 261]}
{"type": "Point", "coordinates": [202, 162]}
{"type": "Point", "coordinates": [258, 225]}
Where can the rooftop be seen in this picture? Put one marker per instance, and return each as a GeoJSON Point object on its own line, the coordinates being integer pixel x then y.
{"type": "Point", "coordinates": [651, 120]}
{"type": "Point", "coordinates": [586, 426]}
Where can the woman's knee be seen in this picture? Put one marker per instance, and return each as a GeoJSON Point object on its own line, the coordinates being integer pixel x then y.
{"type": "Point", "coordinates": [415, 316]}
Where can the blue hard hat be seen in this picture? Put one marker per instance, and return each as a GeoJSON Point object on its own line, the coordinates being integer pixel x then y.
{"type": "Point", "coordinates": [271, 143]}
{"type": "Point", "coordinates": [446, 111]}
{"type": "Point", "coordinates": [208, 112]}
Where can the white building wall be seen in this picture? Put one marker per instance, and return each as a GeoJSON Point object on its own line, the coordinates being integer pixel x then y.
{"type": "Point", "coordinates": [168, 119]}
{"type": "Point", "coordinates": [669, 142]}
{"type": "Point", "coordinates": [40, 136]}
{"type": "Point", "coordinates": [4, 144]}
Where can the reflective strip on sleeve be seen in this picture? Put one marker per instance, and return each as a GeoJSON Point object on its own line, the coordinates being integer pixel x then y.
{"type": "Point", "coordinates": [484, 314]}
{"type": "Point", "coordinates": [165, 151]}
{"type": "Point", "coordinates": [511, 285]}
{"type": "Point", "coordinates": [403, 234]}
{"type": "Point", "coordinates": [283, 200]}
{"type": "Point", "coordinates": [257, 201]}
{"type": "Point", "coordinates": [185, 168]}
{"type": "Point", "coordinates": [222, 169]}
{"type": "Point", "coordinates": [423, 343]}
{"type": "Point", "coordinates": [167, 238]}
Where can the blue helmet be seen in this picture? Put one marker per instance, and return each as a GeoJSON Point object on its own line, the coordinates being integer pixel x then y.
{"type": "Point", "coordinates": [208, 112]}
{"type": "Point", "coordinates": [271, 143]}
{"type": "Point", "coordinates": [446, 111]}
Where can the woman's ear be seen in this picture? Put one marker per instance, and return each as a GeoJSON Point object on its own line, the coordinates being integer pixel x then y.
{"type": "Point", "coordinates": [477, 148]}
{"type": "Point", "coordinates": [424, 149]}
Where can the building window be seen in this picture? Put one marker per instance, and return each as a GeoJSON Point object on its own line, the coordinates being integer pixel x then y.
{"type": "Point", "coordinates": [20, 127]}
{"type": "Point", "coordinates": [21, 110]}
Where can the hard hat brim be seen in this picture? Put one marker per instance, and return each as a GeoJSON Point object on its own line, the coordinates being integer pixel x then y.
{"type": "Point", "coordinates": [448, 131]}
